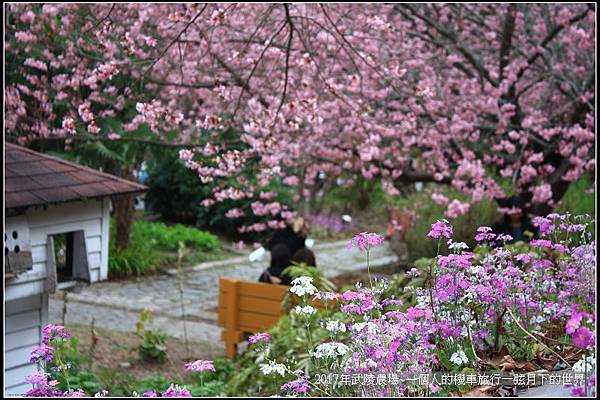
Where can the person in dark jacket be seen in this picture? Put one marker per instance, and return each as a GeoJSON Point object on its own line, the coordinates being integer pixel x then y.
{"type": "Point", "coordinates": [280, 260]}
{"type": "Point", "coordinates": [293, 237]}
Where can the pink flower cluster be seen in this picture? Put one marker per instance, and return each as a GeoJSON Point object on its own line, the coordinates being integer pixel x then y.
{"type": "Point", "coordinates": [582, 336]}
{"type": "Point", "coordinates": [484, 233]}
{"type": "Point", "coordinates": [200, 366]}
{"type": "Point", "coordinates": [259, 337]}
{"type": "Point", "coordinates": [440, 229]}
{"type": "Point", "coordinates": [365, 241]}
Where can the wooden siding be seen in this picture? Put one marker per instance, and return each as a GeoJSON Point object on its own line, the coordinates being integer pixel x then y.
{"type": "Point", "coordinates": [24, 320]}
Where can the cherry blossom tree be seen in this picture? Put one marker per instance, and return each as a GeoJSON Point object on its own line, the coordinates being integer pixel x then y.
{"type": "Point", "coordinates": [496, 100]}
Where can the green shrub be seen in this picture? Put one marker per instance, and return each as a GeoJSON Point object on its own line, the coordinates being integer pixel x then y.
{"type": "Point", "coordinates": [139, 258]}
{"type": "Point", "coordinates": [77, 375]}
{"type": "Point", "coordinates": [153, 346]}
{"type": "Point", "coordinates": [362, 194]}
{"type": "Point", "coordinates": [150, 243]}
{"type": "Point", "coordinates": [579, 199]}
{"type": "Point", "coordinates": [168, 237]}
{"type": "Point", "coordinates": [135, 260]}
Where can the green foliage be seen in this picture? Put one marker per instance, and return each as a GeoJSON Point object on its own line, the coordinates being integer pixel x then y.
{"type": "Point", "coordinates": [175, 192]}
{"type": "Point", "coordinates": [135, 260]}
{"type": "Point", "coordinates": [580, 198]}
{"type": "Point", "coordinates": [76, 376]}
{"type": "Point", "coordinates": [150, 244]}
{"type": "Point", "coordinates": [139, 258]}
{"type": "Point", "coordinates": [168, 237]}
{"type": "Point", "coordinates": [153, 342]}
{"type": "Point", "coordinates": [290, 340]}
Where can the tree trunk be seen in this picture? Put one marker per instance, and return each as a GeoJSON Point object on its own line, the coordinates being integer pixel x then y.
{"type": "Point", "coordinates": [124, 212]}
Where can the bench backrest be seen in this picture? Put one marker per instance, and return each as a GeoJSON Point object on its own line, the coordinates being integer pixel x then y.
{"type": "Point", "coordinates": [248, 306]}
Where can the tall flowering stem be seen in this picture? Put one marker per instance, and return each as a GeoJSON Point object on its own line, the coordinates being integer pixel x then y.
{"type": "Point", "coordinates": [366, 241]}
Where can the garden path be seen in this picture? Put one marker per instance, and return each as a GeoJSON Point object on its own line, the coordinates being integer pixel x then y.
{"type": "Point", "coordinates": [116, 305]}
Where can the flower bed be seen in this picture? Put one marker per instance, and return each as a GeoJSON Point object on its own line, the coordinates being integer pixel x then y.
{"type": "Point", "coordinates": [512, 307]}
{"type": "Point", "coordinates": [503, 306]}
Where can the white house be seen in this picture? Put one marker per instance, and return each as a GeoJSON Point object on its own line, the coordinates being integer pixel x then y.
{"type": "Point", "coordinates": [56, 233]}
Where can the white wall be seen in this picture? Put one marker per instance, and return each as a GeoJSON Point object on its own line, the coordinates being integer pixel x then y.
{"type": "Point", "coordinates": [24, 319]}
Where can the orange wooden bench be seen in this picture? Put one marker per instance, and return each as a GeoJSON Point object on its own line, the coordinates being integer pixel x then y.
{"type": "Point", "coordinates": [247, 307]}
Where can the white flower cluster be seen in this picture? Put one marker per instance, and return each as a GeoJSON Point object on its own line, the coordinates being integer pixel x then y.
{"type": "Point", "coordinates": [335, 327]}
{"type": "Point", "coordinates": [332, 349]}
{"type": "Point", "coordinates": [476, 269]}
{"type": "Point", "coordinates": [306, 310]}
{"type": "Point", "coordinates": [586, 364]}
{"type": "Point", "coordinates": [537, 320]}
{"type": "Point", "coordinates": [422, 301]}
{"type": "Point", "coordinates": [302, 286]}
{"type": "Point", "coordinates": [457, 247]}
{"type": "Point", "coordinates": [371, 327]}
{"type": "Point", "coordinates": [551, 309]}
{"type": "Point", "coordinates": [459, 358]}
{"type": "Point", "coordinates": [271, 367]}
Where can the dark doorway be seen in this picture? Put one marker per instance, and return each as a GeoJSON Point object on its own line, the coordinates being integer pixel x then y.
{"type": "Point", "coordinates": [63, 256]}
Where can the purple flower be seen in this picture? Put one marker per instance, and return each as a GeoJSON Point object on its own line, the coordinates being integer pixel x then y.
{"type": "Point", "coordinates": [524, 258]}
{"type": "Point", "coordinates": [572, 325]}
{"type": "Point", "coordinates": [456, 260]}
{"type": "Point", "coordinates": [561, 248]}
{"type": "Point", "coordinates": [150, 394]}
{"type": "Point", "coordinates": [583, 337]}
{"type": "Point", "coordinates": [52, 332]}
{"type": "Point", "coordinates": [259, 337]}
{"type": "Point", "coordinates": [176, 391]}
{"type": "Point", "coordinates": [484, 233]}
{"type": "Point", "coordinates": [200, 366]}
{"type": "Point", "coordinates": [366, 241]}
{"type": "Point", "coordinates": [298, 386]}
{"type": "Point", "coordinates": [439, 229]}
{"type": "Point", "coordinates": [544, 225]}
{"type": "Point", "coordinates": [541, 243]}
{"type": "Point", "coordinates": [41, 386]}
{"type": "Point", "coordinates": [45, 353]}
{"type": "Point", "coordinates": [503, 237]}
{"type": "Point", "coordinates": [362, 302]}
{"type": "Point", "coordinates": [578, 392]}
{"type": "Point", "coordinates": [330, 296]}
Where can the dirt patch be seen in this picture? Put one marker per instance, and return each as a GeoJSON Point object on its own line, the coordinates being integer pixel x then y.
{"type": "Point", "coordinates": [117, 350]}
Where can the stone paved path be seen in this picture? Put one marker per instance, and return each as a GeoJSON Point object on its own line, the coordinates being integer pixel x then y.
{"type": "Point", "coordinates": [116, 305]}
